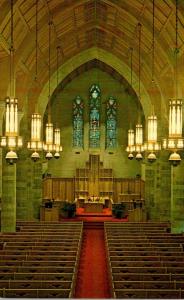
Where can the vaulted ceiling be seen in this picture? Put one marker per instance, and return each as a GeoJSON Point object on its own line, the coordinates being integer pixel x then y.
{"type": "Point", "coordinates": [79, 25]}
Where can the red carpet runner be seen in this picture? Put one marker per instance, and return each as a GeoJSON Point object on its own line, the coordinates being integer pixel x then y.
{"type": "Point", "coordinates": [92, 280]}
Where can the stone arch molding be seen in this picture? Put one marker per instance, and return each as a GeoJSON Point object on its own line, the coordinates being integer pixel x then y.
{"type": "Point", "coordinates": [84, 57]}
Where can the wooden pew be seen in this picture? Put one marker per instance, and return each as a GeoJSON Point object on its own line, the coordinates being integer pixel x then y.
{"type": "Point", "coordinates": [39, 237]}
{"type": "Point", "coordinates": [40, 248]}
{"type": "Point", "coordinates": [40, 253]}
{"type": "Point", "coordinates": [162, 258]}
{"type": "Point", "coordinates": [150, 270]}
{"type": "Point", "coordinates": [38, 269]}
{"type": "Point", "coordinates": [143, 243]}
{"type": "Point", "coordinates": [148, 293]}
{"type": "Point", "coordinates": [35, 284]}
{"type": "Point", "coordinates": [144, 248]}
{"type": "Point", "coordinates": [36, 293]}
{"type": "Point", "coordinates": [145, 261]}
{"type": "Point", "coordinates": [145, 284]}
{"type": "Point", "coordinates": [42, 243]}
{"type": "Point", "coordinates": [166, 264]}
{"type": "Point", "coordinates": [39, 258]}
{"type": "Point", "coordinates": [36, 276]}
{"type": "Point", "coordinates": [58, 263]}
{"type": "Point", "coordinates": [144, 253]}
{"type": "Point", "coordinates": [142, 277]}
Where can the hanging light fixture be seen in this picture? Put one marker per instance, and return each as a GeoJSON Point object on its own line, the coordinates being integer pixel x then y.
{"type": "Point", "coordinates": [57, 134]}
{"type": "Point", "coordinates": [131, 141]}
{"type": "Point", "coordinates": [49, 131]}
{"type": "Point", "coordinates": [131, 135]}
{"type": "Point", "coordinates": [175, 140]}
{"type": "Point", "coordinates": [49, 146]}
{"type": "Point", "coordinates": [139, 147]}
{"type": "Point", "coordinates": [152, 145]}
{"type": "Point", "coordinates": [11, 140]}
{"type": "Point", "coordinates": [57, 143]}
{"type": "Point", "coordinates": [36, 122]}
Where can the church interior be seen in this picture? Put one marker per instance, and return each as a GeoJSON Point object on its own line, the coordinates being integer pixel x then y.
{"type": "Point", "coordinates": [91, 149]}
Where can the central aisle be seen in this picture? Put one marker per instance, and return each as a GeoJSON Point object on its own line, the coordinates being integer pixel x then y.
{"type": "Point", "coordinates": [92, 280]}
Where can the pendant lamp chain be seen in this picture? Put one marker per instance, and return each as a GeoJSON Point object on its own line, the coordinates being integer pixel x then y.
{"type": "Point", "coordinates": [131, 66]}
{"type": "Point", "coordinates": [140, 27]}
{"type": "Point", "coordinates": [49, 106]}
{"type": "Point", "coordinates": [58, 49]}
{"type": "Point", "coordinates": [176, 53]}
{"type": "Point", "coordinates": [36, 144]}
{"type": "Point", "coordinates": [153, 44]}
{"type": "Point", "coordinates": [36, 42]}
{"type": "Point", "coordinates": [12, 55]}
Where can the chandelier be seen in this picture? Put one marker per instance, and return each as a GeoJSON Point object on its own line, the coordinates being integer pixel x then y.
{"type": "Point", "coordinates": [36, 123]}
{"type": "Point", "coordinates": [135, 139]}
{"type": "Point", "coordinates": [35, 144]}
{"type": "Point", "coordinates": [52, 137]}
{"type": "Point", "coordinates": [152, 145]}
{"type": "Point", "coordinates": [131, 144]}
{"type": "Point", "coordinates": [57, 143]}
{"type": "Point", "coordinates": [175, 141]}
{"type": "Point", "coordinates": [11, 140]}
{"type": "Point", "coordinates": [57, 133]}
{"type": "Point", "coordinates": [131, 135]}
{"type": "Point", "coordinates": [139, 147]}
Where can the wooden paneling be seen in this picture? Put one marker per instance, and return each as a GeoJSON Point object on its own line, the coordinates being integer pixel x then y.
{"type": "Point", "coordinates": [49, 214]}
{"type": "Point", "coordinates": [70, 188]}
{"type": "Point", "coordinates": [47, 188]}
{"type": "Point", "coordinates": [58, 188]}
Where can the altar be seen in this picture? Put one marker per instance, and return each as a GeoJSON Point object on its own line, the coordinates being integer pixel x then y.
{"type": "Point", "coordinates": [93, 207]}
{"type": "Point", "coordinates": [93, 204]}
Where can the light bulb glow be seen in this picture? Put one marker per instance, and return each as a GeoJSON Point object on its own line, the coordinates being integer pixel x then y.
{"type": "Point", "coordinates": [57, 137]}
{"type": "Point", "coordinates": [11, 114]}
{"type": "Point", "coordinates": [36, 127]}
{"type": "Point", "coordinates": [175, 118]}
{"type": "Point", "coordinates": [11, 142]}
{"type": "Point", "coordinates": [139, 134]}
{"type": "Point", "coordinates": [152, 129]}
{"type": "Point", "coordinates": [130, 137]}
{"type": "Point", "coordinates": [49, 133]}
{"type": "Point", "coordinates": [3, 141]}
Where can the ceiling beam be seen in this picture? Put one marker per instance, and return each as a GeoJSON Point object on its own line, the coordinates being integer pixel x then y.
{"type": "Point", "coordinates": [166, 23]}
{"type": "Point", "coordinates": [75, 29]}
{"type": "Point", "coordinates": [24, 68]}
{"type": "Point", "coordinates": [4, 43]}
{"type": "Point", "coordinates": [164, 70]}
{"type": "Point", "coordinates": [58, 41]}
{"type": "Point", "coordinates": [22, 18]}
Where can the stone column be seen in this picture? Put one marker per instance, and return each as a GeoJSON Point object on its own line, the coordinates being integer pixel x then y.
{"type": "Point", "coordinates": [29, 187]}
{"type": "Point", "coordinates": [158, 189]}
{"type": "Point", "coordinates": [24, 173]}
{"type": "Point", "coordinates": [177, 198]}
{"type": "Point", "coordinates": [2, 109]}
{"type": "Point", "coordinates": [24, 186]}
{"type": "Point", "coordinates": [8, 212]}
{"type": "Point", "coordinates": [36, 188]}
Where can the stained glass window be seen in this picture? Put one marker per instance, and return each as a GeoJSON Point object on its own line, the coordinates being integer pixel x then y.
{"type": "Point", "coordinates": [111, 123]}
{"type": "Point", "coordinates": [78, 122]}
{"type": "Point", "coordinates": [94, 117]}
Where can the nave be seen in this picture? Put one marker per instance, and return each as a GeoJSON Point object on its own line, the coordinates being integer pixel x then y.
{"type": "Point", "coordinates": [92, 260]}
